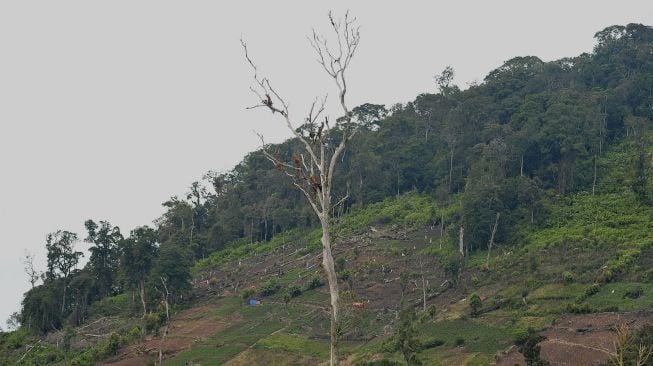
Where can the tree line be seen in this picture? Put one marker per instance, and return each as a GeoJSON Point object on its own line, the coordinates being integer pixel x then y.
{"type": "Point", "coordinates": [529, 130]}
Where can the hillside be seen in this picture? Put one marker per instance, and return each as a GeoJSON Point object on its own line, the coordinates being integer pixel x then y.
{"type": "Point", "coordinates": [545, 167]}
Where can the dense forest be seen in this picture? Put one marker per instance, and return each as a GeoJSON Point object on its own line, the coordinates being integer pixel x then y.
{"type": "Point", "coordinates": [531, 132]}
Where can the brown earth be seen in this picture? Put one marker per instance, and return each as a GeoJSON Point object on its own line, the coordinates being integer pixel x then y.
{"type": "Point", "coordinates": [186, 327]}
{"type": "Point", "coordinates": [583, 339]}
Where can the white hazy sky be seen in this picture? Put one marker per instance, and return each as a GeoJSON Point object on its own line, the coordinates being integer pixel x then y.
{"type": "Point", "coordinates": [109, 108]}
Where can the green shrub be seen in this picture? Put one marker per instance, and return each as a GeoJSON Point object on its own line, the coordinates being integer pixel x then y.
{"type": "Point", "coordinates": [459, 342]}
{"type": "Point", "coordinates": [112, 346]}
{"type": "Point", "coordinates": [606, 275]}
{"type": "Point", "coordinates": [152, 322]}
{"type": "Point", "coordinates": [294, 291]}
{"type": "Point", "coordinates": [567, 277]}
{"type": "Point", "coordinates": [433, 343]}
{"type": "Point", "coordinates": [432, 311]}
{"type": "Point", "coordinates": [111, 306]}
{"type": "Point", "coordinates": [248, 293]}
{"type": "Point", "coordinates": [635, 293]}
{"type": "Point", "coordinates": [345, 274]}
{"type": "Point", "coordinates": [134, 334]}
{"type": "Point", "coordinates": [592, 290]}
{"type": "Point", "coordinates": [383, 362]}
{"type": "Point", "coordinates": [578, 308]}
{"type": "Point", "coordinates": [647, 276]}
{"type": "Point", "coordinates": [314, 283]}
{"type": "Point", "coordinates": [475, 281]}
{"type": "Point", "coordinates": [269, 287]}
{"type": "Point", "coordinates": [475, 303]}
{"type": "Point", "coordinates": [340, 264]}
{"type": "Point", "coordinates": [527, 345]}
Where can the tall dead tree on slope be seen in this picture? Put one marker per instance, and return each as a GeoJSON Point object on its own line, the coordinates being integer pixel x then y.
{"type": "Point", "coordinates": [311, 170]}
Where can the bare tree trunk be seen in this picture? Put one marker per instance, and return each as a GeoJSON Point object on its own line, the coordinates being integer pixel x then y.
{"type": "Point", "coordinates": [334, 291]}
{"type": "Point", "coordinates": [265, 234]}
{"type": "Point", "coordinates": [63, 300]}
{"type": "Point", "coordinates": [251, 230]}
{"type": "Point", "coordinates": [532, 215]}
{"type": "Point", "coordinates": [521, 166]}
{"type": "Point", "coordinates": [441, 225]}
{"type": "Point", "coordinates": [451, 167]}
{"type": "Point", "coordinates": [312, 175]}
{"type": "Point", "coordinates": [397, 181]}
{"type": "Point", "coordinates": [461, 247]}
{"type": "Point", "coordinates": [360, 189]}
{"type": "Point", "coordinates": [603, 123]}
{"type": "Point", "coordinates": [594, 182]}
{"type": "Point", "coordinates": [166, 294]}
{"type": "Point", "coordinates": [491, 242]}
{"type": "Point", "coordinates": [423, 293]}
{"type": "Point", "coordinates": [142, 293]}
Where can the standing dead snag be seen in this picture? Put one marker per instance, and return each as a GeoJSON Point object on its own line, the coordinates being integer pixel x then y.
{"type": "Point", "coordinates": [490, 243]}
{"type": "Point", "coordinates": [312, 171]}
{"type": "Point", "coordinates": [165, 294]}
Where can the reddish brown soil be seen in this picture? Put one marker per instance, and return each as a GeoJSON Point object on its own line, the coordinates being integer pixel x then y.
{"type": "Point", "coordinates": [186, 327]}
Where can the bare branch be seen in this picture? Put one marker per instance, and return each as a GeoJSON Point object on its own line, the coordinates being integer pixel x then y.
{"type": "Point", "coordinates": [313, 176]}
{"type": "Point", "coordinates": [342, 200]}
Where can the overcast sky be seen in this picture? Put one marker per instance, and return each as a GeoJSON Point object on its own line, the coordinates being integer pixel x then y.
{"type": "Point", "coordinates": [109, 108]}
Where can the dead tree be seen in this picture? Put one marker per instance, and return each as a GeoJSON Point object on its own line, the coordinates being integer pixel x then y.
{"type": "Point", "coordinates": [165, 294]}
{"type": "Point", "coordinates": [312, 170]}
{"type": "Point", "coordinates": [28, 264]}
{"type": "Point", "coordinates": [490, 243]}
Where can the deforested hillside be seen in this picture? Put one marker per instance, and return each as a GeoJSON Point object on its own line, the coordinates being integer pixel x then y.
{"type": "Point", "coordinates": [506, 223]}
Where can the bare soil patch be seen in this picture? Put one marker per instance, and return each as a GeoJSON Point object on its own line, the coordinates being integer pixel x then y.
{"type": "Point", "coordinates": [187, 326]}
{"type": "Point", "coordinates": [583, 339]}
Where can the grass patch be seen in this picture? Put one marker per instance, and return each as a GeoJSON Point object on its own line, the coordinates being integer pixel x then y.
{"type": "Point", "coordinates": [478, 337]}
{"type": "Point", "coordinates": [614, 296]}
{"type": "Point", "coordinates": [296, 344]}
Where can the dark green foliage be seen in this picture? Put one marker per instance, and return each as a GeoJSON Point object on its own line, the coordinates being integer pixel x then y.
{"type": "Point", "coordinates": [523, 144]}
{"type": "Point", "coordinates": [635, 293]}
{"type": "Point", "coordinates": [269, 287]}
{"type": "Point", "coordinates": [405, 338]}
{"type": "Point", "coordinates": [527, 345]}
{"type": "Point", "coordinates": [383, 362]}
{"type": "Point", "coordinates": [172, 264]}
{"type": "Point", "coordinates": [433, 343]}
{"type": "Point", "coordinates": [475, 304]}
{"type": "Point", "coordinates": [104, 254]}
{"type": "Point", "coordinates": [138, 256]}
{"type": "Point", "coordinates": [583, 308]}
{"type": "Point", "coordinates": [294, 291]}
{"type": "Point", "coordinates": [314, 282]}
{"type": "Point", "coordinates": [432, 310]}
{"type": "Point", "coordinates": [593, 289]}
{"type": "Point", "coordinates": [41, 311]}
{"type": "Point", "coordinates": [453, 266]}
{"type": "Point", "coordinates": [113, 344]}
